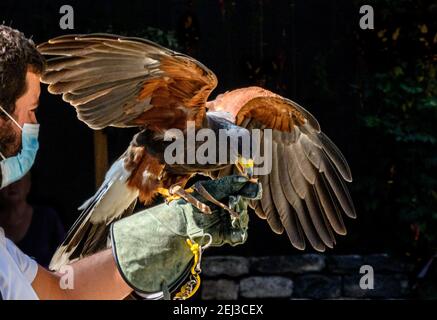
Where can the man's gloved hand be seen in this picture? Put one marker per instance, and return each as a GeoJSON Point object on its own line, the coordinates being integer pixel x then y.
{"type": "Point", "coordinates": [151, 249]}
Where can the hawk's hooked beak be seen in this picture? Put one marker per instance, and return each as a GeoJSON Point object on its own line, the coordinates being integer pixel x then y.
{"type": "Point", "coordinates": [245, 166]}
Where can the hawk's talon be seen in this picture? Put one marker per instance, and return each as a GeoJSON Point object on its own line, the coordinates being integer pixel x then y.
{"type": "Point", "coordinates": [169, 194]}
{"type": "Point", "coordinates": [164, 192]}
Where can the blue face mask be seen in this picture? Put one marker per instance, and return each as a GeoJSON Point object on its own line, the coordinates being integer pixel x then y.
{"type": "Point", "coordinates": [14, 168]}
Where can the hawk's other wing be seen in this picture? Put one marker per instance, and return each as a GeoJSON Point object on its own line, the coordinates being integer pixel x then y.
{"type": "Point", "coordinates": [305, 194]}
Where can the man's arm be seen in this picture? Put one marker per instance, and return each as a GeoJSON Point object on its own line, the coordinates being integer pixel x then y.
{"type": "Point", "coordinates": [95, 277]}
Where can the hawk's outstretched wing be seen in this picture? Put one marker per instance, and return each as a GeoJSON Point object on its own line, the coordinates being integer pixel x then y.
{"type": "Point", "coordinates": [305, 194]}
{"type": "Point", "coordinates": [119, 81]}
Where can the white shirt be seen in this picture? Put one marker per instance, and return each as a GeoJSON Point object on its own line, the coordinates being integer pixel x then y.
{"type": "Point", "coordinates": [17, 272]}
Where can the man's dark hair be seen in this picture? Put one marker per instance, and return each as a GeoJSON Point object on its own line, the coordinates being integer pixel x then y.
{"type": "Point", "coordinates": [17, 55]}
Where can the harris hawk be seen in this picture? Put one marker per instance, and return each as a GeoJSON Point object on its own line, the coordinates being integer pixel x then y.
{"type": "Point", "coordinates": [131, 82]}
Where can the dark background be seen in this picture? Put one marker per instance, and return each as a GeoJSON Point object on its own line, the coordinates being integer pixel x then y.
{"type": "Point", "coordinates": [311, 51]}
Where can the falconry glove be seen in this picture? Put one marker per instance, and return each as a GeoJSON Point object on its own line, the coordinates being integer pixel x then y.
{"type": "Point", "coordinates": [151, 249]}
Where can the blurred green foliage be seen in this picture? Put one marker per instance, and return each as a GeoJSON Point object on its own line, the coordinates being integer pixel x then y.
{"type": "Point", "coordinates": [166, 38]}
{"type": "Point", "coordinates": [398, 119]}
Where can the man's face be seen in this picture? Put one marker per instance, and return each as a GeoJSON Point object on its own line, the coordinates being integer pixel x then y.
{"type": "Point", "coordinates": [25, 108]}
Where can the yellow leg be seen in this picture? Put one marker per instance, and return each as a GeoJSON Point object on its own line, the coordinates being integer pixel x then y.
{"type": "Point", "coordinates": [170, 197]}
{"type": "Point", "coordinates": [164, 192]}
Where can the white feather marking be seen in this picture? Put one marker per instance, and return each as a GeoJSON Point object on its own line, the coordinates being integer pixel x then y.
{"type": "Point", "coordinates": [148, 175]}
{"type": "Point", "coordinates": [114, 195]}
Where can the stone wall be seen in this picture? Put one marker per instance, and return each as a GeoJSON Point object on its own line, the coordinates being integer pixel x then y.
{"type": "Point", "coordinates": [305, 276]}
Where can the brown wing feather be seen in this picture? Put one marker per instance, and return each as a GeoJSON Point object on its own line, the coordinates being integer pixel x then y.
{"type": "Point", "coordinates": [122, 82]}
{"type": "Point", "coordinates": [305, 193]}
